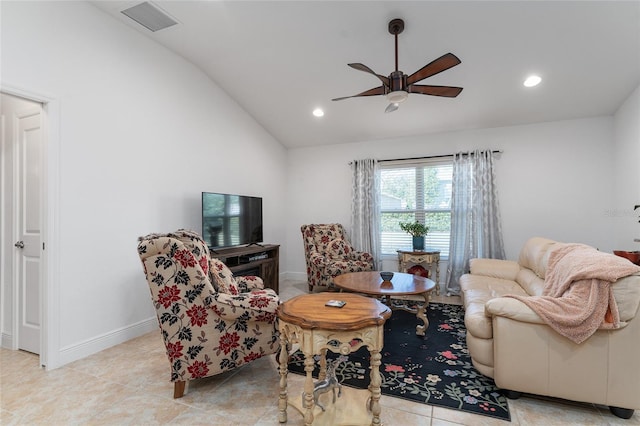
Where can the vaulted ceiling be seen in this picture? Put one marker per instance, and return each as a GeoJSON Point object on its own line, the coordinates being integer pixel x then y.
{"type": "Point", "coordinates": [281, 60]}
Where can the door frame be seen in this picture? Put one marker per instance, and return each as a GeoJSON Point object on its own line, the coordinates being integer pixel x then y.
{"type": "Point", "coordinates": [50, 267]}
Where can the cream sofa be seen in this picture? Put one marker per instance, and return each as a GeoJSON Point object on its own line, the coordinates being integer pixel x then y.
{"type": "Point", "coordinates": [510, 343]}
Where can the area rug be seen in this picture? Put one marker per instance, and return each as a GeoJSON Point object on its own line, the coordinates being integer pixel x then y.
{"type": "Point", "coordinates": [435, 369]}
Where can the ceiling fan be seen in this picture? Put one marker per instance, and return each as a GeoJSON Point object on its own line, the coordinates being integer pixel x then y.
{"type": "Point", "coordinates": [398, 85]}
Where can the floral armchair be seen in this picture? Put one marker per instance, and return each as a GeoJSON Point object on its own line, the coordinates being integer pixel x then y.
{"type": "Point", "coordinates": [329, 254]}
{"type": "Point", "coordinates": [210, 321]}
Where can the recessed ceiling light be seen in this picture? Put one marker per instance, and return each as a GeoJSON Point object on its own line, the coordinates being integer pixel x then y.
{"type": "Point", "coordinates": [532, 80]}
{"type": "Point", "coordinates": [318, 112]}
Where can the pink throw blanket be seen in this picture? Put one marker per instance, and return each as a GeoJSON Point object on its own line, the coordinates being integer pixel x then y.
{"type": "Point", "coordinates": [577, 298]}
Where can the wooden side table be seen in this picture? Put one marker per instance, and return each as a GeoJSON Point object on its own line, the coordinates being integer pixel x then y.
{"type": "Point", "coordinates": [306, 320]}
{"type": "Point", "coordinates": [426, 258]}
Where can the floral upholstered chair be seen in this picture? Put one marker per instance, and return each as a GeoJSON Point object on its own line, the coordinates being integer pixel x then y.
{"type": "Point", "coordinates": [210, 321]}
{"type": "Point", "coordinates": [329, 254]}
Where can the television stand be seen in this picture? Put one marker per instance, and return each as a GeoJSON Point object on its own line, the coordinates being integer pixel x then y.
{"type": "Point", "coordinates": [262, 260]}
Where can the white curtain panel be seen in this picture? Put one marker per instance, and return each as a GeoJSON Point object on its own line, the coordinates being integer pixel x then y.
{"type": "Point", "coordinates": [476, 229]}
{"type": "Point", "coordinates": [365, 208]}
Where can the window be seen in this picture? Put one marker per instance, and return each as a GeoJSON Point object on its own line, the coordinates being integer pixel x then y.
{"type": "Point", "coordinates": [420, 190]}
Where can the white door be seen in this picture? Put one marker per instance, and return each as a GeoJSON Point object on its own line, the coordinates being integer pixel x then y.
{"type": "Point", "coordinates": [26, 140]}
{"type": "Point", "coordinates": [29, 232]}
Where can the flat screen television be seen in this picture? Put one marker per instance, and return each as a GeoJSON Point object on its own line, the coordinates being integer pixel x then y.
{"type": "Point", "coordinates": [231, 220]}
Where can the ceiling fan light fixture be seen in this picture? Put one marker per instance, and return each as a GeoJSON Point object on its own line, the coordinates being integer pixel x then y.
{"type": "Point", "coordinates": [532, 81]}
{"type": "Point", "coordinates": [391, 108]}
{"type": "Point", "coordinates": [397, 97]}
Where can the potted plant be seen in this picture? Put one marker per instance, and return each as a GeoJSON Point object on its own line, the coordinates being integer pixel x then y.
{"type": "Point", "coordinates": [418, 231]}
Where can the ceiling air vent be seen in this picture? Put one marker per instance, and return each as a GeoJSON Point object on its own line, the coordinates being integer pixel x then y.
{"type": "Point", "coordinates": [150, 16]}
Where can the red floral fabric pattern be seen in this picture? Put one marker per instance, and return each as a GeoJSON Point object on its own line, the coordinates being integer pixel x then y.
{"type": "Point", "coordinates": [174, 350]}
{"type": "Point", "coordinates": [198, 369]}
{"type": "Point", "coordinates": [257, 304]}
{"type": "Point", "coordinates": [329, 254]}
{"type": "Point", "coordinates": [168, 295]}
{"type": "Point", "coordinates": [339, 249]}
{"type": "Point", "coordinates": [197, 316]}
{"type": "Point", "coordinates": [205, 332]}
{"type": "Point", "coordinates": [228, 341]}
{"type": "Point", "coordinates": [185, 257]}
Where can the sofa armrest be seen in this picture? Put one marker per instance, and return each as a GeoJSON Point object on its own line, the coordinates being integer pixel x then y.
{"type": "Point", "coordinates": [496, 268]}
{"type": "Point", "coordinates": [511, 308]}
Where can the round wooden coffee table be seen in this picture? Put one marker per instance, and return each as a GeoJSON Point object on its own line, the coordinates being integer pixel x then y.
{"type": "Point", "coordinates": [307, 321]}
{"type": "Point", "coordinates": [370, 283]}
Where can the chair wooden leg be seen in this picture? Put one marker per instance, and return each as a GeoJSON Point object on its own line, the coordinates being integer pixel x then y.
{"type": "Point", "coordinates": [178, 389]}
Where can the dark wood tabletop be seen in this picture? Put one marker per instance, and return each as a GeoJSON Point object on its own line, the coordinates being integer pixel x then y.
{"type": "Point", "coordinates": [371, 283]}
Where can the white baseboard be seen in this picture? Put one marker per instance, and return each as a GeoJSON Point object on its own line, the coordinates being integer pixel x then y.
{"type": "Point", "coordinates": [94, 345]}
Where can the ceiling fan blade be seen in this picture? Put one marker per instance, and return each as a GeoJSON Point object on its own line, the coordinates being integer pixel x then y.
{"type": "Point", "coordinates": [371, 92]}
{"type": "Point", "coordinates": [446, 91]}
{"type": "Point", "coordinates": [391, 107]}
{"type": "Point", "coordinates": [443, 63]}
{"type": "Point", "coordinates": [364, 68]}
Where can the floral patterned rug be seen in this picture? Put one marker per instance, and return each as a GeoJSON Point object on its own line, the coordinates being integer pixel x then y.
{"type": "Point", "coordinates": [435, 369]}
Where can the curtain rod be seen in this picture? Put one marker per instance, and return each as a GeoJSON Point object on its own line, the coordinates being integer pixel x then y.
{"type": "Point", "coordinates": [431, 156]}
{"type": "Point", "coordinates": [426, 158]}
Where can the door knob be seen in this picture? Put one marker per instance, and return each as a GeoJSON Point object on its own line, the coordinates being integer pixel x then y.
{"type": "Point", "coordinates": [19, 244]}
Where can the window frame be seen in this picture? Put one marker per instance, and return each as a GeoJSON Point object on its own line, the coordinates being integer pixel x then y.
{"type": "Point", "coordinates": [420, 211]}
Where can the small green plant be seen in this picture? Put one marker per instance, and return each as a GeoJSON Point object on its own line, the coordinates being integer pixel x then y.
{"type": "Point", "coordinates": [416, 228]}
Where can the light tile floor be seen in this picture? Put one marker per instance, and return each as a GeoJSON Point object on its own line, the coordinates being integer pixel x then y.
{"type": "Point", "coordinates": [129, 385]}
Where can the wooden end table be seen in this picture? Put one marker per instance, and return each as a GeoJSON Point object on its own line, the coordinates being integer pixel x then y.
{"type": "Point", "coordinates": [371, 284]}
{"type": "Point", "coordinates": [425, 258]}
{"type": "Point", "coordinates": [306, 320]}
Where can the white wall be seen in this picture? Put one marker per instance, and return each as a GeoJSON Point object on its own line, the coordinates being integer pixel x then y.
{"type": "Point", "coordinates": [142, 133]}
{"type": "Point", "coordinates": [626, 184]}
{"type": "Point", "coordinates": [554, 180]}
